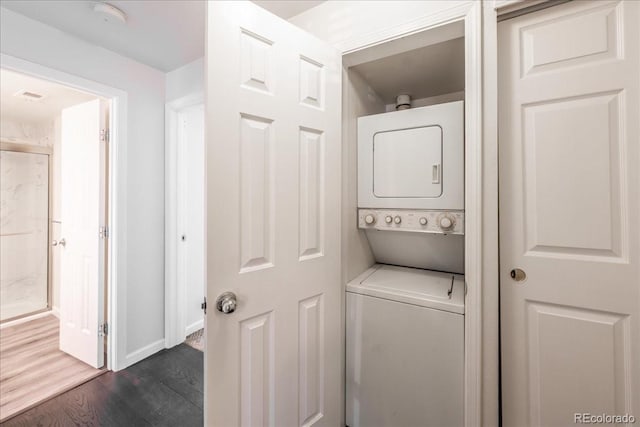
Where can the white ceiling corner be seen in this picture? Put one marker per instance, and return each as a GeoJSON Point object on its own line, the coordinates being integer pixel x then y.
{"type": "Point", "coordinates": [164, 34]}
{"type": "Point", "coordinates": [286, 9]}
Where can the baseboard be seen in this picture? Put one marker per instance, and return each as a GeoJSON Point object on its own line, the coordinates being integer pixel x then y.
{"type": "Point", "coordinates": [55, 311]}
{"type": "Point", "coordinates": [196, 326]}
{"type": "Point", "coordinates": [25, 319]}
{"type": "Point", "coordinates": [143, 353]}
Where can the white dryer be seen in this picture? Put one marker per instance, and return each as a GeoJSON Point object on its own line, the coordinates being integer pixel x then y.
{"type": "Point", "coordinates": [405, 348]}
{"type": "Point", "coordinates": [411, 186]}
{"type": "Point", "coordinates": [412, 159]}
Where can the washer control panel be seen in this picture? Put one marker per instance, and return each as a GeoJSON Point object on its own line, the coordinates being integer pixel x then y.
{"type": "Point", "coordinates": [422, 221]}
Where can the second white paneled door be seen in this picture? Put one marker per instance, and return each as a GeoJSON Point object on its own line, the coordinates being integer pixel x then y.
{"type": "Point", "coordinates": [570, 213]}
{"type": "Point", "coordinates": [83, 212]}
{"type": "Point", "coordinates": [273, 231]}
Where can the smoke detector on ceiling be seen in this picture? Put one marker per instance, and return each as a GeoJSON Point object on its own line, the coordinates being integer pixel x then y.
{"type": "Point", "coordinates": [110, 13]}
{"type": "Point", "coordinates": [28, 95]}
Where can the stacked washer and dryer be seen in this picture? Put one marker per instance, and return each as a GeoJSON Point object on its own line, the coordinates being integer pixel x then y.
{"type": "Point", "coordinates": [405, 314]}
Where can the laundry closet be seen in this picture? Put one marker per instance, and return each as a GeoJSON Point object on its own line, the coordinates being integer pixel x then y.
{"type": "Point", "coordinates": [403, 230]}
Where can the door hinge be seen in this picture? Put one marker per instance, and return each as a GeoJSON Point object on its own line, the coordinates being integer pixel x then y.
{"type": "Point", "coordinates": [104, 232]}
{"type": "Point", "coordinates": [103, 329]}
{"type": "Point", "coordinates": [204, 305]}
{"type": "Point", "coordinates": [104, 135]}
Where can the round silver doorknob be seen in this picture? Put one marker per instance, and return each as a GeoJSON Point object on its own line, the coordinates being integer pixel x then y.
{"type": "Point", "coordinates": [54, 243]}
{"type": "Point", "coordinates": [518, 275]}
{"type": "Point", "coordinates": [226, 303]}
{"type": "Point", "coordinates": [62, 242]}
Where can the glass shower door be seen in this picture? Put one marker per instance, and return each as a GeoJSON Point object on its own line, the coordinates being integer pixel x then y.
{"type": "Point", "coordinates": [24, 232]}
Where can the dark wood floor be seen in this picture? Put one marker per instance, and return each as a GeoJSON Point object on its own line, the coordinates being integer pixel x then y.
{"type": "Point", "coordinates": [164, 390]}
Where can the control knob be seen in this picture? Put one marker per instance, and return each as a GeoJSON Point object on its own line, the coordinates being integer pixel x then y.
{"type": "Point", "coordinates": [369, 219]}
{"type": "Point", "coordinates": [446, 222]}
{"type": "Point", "coordinates": [397, 219]}
{"type": "Point", "coordinates": [423, 221]}
{"type": "Point", "coordinates": [388, 219]}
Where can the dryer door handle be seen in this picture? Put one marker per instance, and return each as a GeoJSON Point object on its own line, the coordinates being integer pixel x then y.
{"type": "Point", "coordinates": [435, 174]}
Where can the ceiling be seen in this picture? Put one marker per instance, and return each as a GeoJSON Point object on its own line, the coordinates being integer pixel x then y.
{"type": "Point", "coordinates": [164, 34]}
{"type": "Point", "coordinates": [286, 9]}
{"type": "Point", "coordinates": [56, 97]}
{"type": "Point", "coordinates": [428, 71]}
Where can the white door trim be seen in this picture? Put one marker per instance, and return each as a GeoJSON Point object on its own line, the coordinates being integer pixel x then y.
{"type": "Point", "coordinates": [475, 242]}
{"type": "Point", "coordinates": [116, 198]}
{"type": "Point", "coordinates": [174, 300]}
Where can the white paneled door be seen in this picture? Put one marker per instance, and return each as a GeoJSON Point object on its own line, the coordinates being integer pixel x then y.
{"type": "Point", "coordinates": [569, 213]}
{"type": "Point", "coordinates": [82, 202]}
{"type": "Point", "coordinates": [273, 229]}
{"type": "Point", "coordinates": [191, 246]}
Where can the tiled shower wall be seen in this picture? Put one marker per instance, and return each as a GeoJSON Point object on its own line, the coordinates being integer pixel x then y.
{"type": "Point", "coordinates": [24, 188]}
{"type": "Point", "coordinates": [24, 193]}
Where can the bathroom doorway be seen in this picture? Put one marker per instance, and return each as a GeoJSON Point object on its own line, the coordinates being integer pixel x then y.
{"type": "Point", "coordinates": [53, 239]}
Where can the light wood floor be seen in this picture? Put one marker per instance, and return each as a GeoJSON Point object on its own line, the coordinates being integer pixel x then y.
{"type": "Point", "coordinates": [33, 369]}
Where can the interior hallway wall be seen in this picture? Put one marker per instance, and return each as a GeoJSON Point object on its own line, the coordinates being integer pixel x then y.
{"type": "Point", "coordinates": [143, 209]}
{"type": "Point", "coordinates": [186, 80]}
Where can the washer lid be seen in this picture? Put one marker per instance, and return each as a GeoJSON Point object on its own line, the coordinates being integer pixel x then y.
{"type": "Point", "coordinates": [426, 288]}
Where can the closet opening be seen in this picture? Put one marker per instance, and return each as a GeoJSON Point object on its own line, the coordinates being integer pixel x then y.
{"type": "Point", "coordinates": [404, 229]}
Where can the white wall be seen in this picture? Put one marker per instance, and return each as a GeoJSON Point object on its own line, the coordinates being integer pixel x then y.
{"type": "Point", "coordinates": [358, 99]}
{"type": "Point", "coordinates": [432, 100]}
{"type": "Point", "coordinates": [342, 22]}
{"type": "Point", "coordinates": [143, 210]}
{"type": "Point", "coordinates": [186, 80]}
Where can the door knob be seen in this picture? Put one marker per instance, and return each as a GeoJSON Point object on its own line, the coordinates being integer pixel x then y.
{"type": "Point", "coordinates": [54, 243]}
{"type": "Point", "coordinates": [518, 275]}
{"type": "Point", "coordinates": [226, 303]}
{"type": "Point", "coordinates": [62, 242]}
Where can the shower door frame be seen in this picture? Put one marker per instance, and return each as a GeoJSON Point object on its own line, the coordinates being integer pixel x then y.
{"type": "Point", "coordinates": [6, 145]}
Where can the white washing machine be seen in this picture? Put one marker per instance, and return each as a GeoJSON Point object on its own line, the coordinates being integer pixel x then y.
{"type": "Point", "coordinates": [405, 315]}
{"type": "Point", "coordinates": [405, 348]}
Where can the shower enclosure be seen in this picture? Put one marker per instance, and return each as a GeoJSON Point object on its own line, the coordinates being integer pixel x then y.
{"type": "Point", "coordinates": [25, 177]}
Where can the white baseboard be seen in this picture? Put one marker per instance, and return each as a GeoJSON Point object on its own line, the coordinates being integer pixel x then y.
{"type": "Point", "coordinates": [26, 319]}
{"type": "Point", "coordinates": [143, 353]}
{"type": "Point", "coordinates": [194, 327]}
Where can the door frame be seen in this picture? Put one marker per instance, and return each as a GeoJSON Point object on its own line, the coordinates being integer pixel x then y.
{"type": "Point", "coordinates": [481, 273]}
{"type": "Point", "coordinates": [116, 265]}
{"type": "Point", "coordinates": [175, 291]}
{"type": "Point", "coordinates": [492, 12]}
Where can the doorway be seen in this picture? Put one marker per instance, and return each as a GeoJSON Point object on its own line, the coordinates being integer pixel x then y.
{"type": "Point", "coordinates": [185, 247]}
{"type": "Point", "coordinates": [53, 239]}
